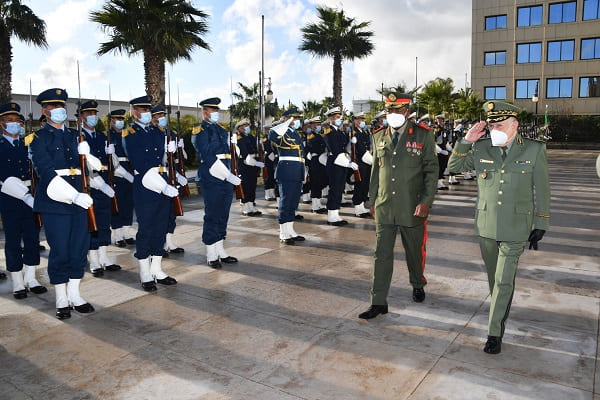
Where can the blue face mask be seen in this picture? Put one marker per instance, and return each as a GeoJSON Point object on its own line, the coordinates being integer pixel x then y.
{"type": "Point", "coordinates": [119, 124]}
{"type": "Point", "coordinates": [146, 118]}
{"type": "Point", "coordinates": [309, 131]}
{"type": "Point", "coordinates": [214, 117]}
{"type": "Point", "coordinates": [21, 130]}
{"type": "Point", "coordinates": [91, 120]}
{"type": "Point", "coordinates": [13, 128]}
{"type": "Point", "coordinates": [58, 115]}
{"type": "Point", "coordinates": [347, 129]}
{"type": "Point", "coordinates": [162, 122]}
{"type": "Point", "coordinates": [362, 125]}
{"type": "Point", "coordinates": [338, 122]}
{"type": "Point", "coordinates": [318, 128]}
{"type": "Point", "coordinates": [247, 130]}
{"type": "Point", "coordinates": [384, 123]}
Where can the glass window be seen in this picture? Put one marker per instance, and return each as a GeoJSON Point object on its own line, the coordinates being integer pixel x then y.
{"type": "Point", "coordinates": [559, 87]}
{"type": "Point", "coordinates": [562, 12]}
{"type": "Point", "coordinates": [525, 88]}
{"type": "Point", "coordinates": [561, 50]}
{"type": "Point", "coordinates": [590, 48]}
{"type": "Point", "coordinates": [495, 22]}
{"type": "Point", "coordinates": [589, 86]}
{"type": "Point", "coordinates": [591, 9]}
{"type": "Point", "coordinates": [529, 53]}
{"type": "Point", "coordinates": [495, 93]}
{"type": "Point", "coordinates": [529, 16]}
{"type": "Point", "coordinates": [495, 58]}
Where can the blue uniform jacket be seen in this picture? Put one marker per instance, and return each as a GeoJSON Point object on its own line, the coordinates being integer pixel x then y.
{"type": "Point", "coordinates": [144, 147]}
{"type": "Point", "coordinates": [117, 140]}
{"type": "Point", "coordinates": [288, 145]}
{"type": "Point", "coordinates": [14, 161]}
{"type": "Point", "coordinates": [53, 149]}
{"type": "Point", "coordinates": [98, 149]}
{"type": "Point", "coordinates": [336, 142]}
{"type": "Point", "coordinates": [210, 140]}
{"type": "Point", "coordinates": [363, 144]}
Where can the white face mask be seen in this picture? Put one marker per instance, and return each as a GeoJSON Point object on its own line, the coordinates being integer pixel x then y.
{"type": "Point", "coordinates": [13, 128]}
{"type": "Point", "coordinates": [498, 137]}
{"type": "Point", "coordinates": [21, 130]}
{"type": "Point", "coordinates": [162, 122]}
{"type": "Point", "coordinates": [58, 115]}
{"type": "Point", "coordinates": [91, 120]}
{"type": "Point", "coordinates": [338, 122]}
{"type": "Point", "coordinates": [146, 117]}
{"type": "Point", "coordinates": [214, 117]}
{"type": "Point", "coordinates": [119, 124]}
{"type": "Point", "coordinates": [296, 124]}
{"type": "Point", "coordinates": [396, 120]}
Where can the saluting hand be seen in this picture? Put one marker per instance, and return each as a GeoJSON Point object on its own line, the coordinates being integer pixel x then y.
{"type": "Point", "coordinates": [422, 210]}
{"type": "Point", "coordinates": [476, 132]}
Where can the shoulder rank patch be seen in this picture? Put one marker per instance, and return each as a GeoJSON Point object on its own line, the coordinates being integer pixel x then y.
{"type": "Point", "coordinates": [326, 131]}
{"type": "Point", "coordinates": [422, 125]}
{"type": "Point", "coordinates": [126, 132]}
{"type": "Point", "coordinates": [310, 136]}
{"type": "Point", "coordinates": [197, 129]}
{"type": "Point", "coordinates": [29, 138]}
{"type": "Point", "coordinates": [239, 137]}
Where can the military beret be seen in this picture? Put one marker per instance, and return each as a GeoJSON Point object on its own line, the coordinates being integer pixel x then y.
{"type": "Point", "coordinates": [159, 109]}
{"type": "Point", "coordinates": [334, 110]}
{"type": "Point", "coordinates": [118, 113]}
{"type": "Point", "coordinates": [54, 95]}
{"type": "Point", "coordinates": [292, 112]}
{"type": "Point", "coordinates": [397, 100]}
{"type": "Point", "coordinates": [498, 111]}
{"type": "Point", "coordinates": [141, 101]}
{"type": "Point", "coordinates": [91, 105]}
{"type": "Point", "coordinates": [243, 121]}
{"type": "Point", "coordinates": [10, 108]}
{"type": "Point", "coordinates": [211, 102]}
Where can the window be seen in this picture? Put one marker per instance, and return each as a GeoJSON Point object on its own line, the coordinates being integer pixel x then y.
{"type": "Point", "coordinates": [559, 87]}
{"type": "Point", "coordinates": [495, 58]}
{"type": "Point", "coordinates": [591, 9]}
{"type": "Point", "coordinates": [589, 87]}
{"type": "Point", "coordinates": [529, 53]}
{"type": "Point", "coordinates": [525, 88]}
{"type": "Point", "coordinates": [562, 12]}
{"type": "Point", "coordinates": [495, 22]}
{"type": "Point", "coordinates": [590, 48]}
{"type": "Point", "coordinates": [563, 50]}
{"type": "Point", "coordinates": [495, 93]}
{"type": "Point", "coordinates": [529, 16]}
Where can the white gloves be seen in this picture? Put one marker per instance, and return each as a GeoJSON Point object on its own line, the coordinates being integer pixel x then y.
{"type": "Point", "coordinates": [93, 163]}
{"type": "Point", "coordinates": [182, 180]}
{"type": "Point", "coordinates": [353, 166]}
{"type": "Point", "coordinates": [123, 173]}
{"type": "Point", "coordinates": [153, 181]}
{"type": "Point", "coordinates": [309, 156]}
{"type": "Point", "coordinates": [342, 160]}
{"type": "Point", "coordinates": [180, 143]}
{"type": "Point", "coordinates": [234, 180]}
{"type": "Point", "coordinates": [439, 150]}
{"type": "Point", "coordinates": [323, 158]}
{"type": "Point", "coordinates": [98, 183]}
{"type": "Point", "coordinates": [234, 138]}
{"type": "Point", "coordinates": [82, 200]}
{"type": "Point", "coordinates": [110, 149]}
{"type": "Point", "coordinates": [28, 199]}
{"type": "Point", "coordinates": [170, 191]}
{"type": "Point", "coordinates": [170, 147]}
{"type": "Point", "coordinates": [272, 156]}
{"type": "Point", "coordinates": [249, 160]}
{"type": "Point", "coordinates": [15, 187]}
{"type": "Point", "coordinates": [353, 140]}
{"type": "Point", "coordinates": [260, 164]}
{"type": "Point", "coordinates": [83, 148]}
{"type": "Point", "coordinates": [367, 158]}
{"type": "Point", "coordinates": [449, 147]}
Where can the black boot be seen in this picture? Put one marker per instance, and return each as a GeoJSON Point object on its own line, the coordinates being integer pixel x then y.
{"type": "Point", "coordinates": [418, 295]}
{"type": "Point", "coordinates": [493, 345]}
{"type": "Point", "coordinates": [374, 311]}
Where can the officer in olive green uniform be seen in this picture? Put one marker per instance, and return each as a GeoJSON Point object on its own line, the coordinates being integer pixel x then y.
{"type": "Point", "coordinates": [514, 196]}
{"type": "Point", "coordinates": [403, 184]}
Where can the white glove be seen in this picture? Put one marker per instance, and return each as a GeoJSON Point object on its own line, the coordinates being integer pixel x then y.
{"type": "Point", "coordinates": [97, 182]}
{"type": "Point", "coordinates": [367, 158]}
{"type": "Point", "coordinates": [170, 191]}
{"type": "Point", "coordinates": [180, 143]}
{"type": "Point", "coordinates": [249, 160]}
{"type": "Point", "coordinates": [121, 172]}
{"type": "Point", "coordinates": [170, 147]}
{"type": "Point", "coordinates": [309, 156]}
{"type": "Point", "coordinates": [83, 200]}
{"type": "Point", "coordinates": [93, 163]}
{"type": "Point", "coordinates": [110, 149]}
{"type": "Point", "coordinates": [449, 147]}
{"type": "Point", "coordinates": [153, 181]}
{"type": "Point", "coordinates": [234, 138]}
{"type": "Point", "coordinates": [353, 140]}
{"type": "Point", "coordinates": [323, 159]}
{"type": "Point", "coordinates": [107, 190]}
{"type": "Point", "coordinates": [353, 165]}
{"type": "Point", "coordinates": [234, 180]}
{"type": "Point", "coordinates": [444, 152]}
{"type": "Point", "coordinates": [182, 180]}
{"type": "Point", "coordinates": [28, 199]}
{"type": "Point", "coordinates": [438, 149]}
{"type": "Point", "coordinates": [115, 160]}
{"type": "Point", "coordinates": [83, 148]}
{"type": "Point", "coordinates": [272, 156]}
{"type": "Point", "coordinates": [15, 187]}
{"type": "Point", "coordinates": [259, 164]}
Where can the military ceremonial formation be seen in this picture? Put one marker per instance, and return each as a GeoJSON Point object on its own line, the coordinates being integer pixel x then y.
{"type": "Point", "coordinates": [84, 186]}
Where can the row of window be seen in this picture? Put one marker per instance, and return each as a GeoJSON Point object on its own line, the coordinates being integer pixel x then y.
{"type": "Point", "coordinates": [555, 88]}
{"type": "Point", "coordinates": [557, 13]}
{"type": "Point", "coordinates": [560, 50]}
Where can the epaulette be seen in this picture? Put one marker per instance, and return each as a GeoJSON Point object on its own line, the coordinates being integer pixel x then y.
{"type": "Point", "coordinates": [310, 136]}
{"type": "Point", "coordinates": [422, 125]}
{"type": "Point", "coordinates": [128, 131]}
{"type": "Point", "coordinates": [326, 131]}
{"type": "Point", "coordinates": [265, 140]}
{"type": "Point", "coordinates": [197, 129]}
{"type": "Point", "coordinates": [239, 137]}
{"type": "Point", "coordinates": [29, 138]}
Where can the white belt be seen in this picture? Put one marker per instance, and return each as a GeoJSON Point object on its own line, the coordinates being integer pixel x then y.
{"type": "Point", "coordinates": [68, 171]}
{"type": "Point", "coordinates": [287, 158]}
{"type": "Point", "coordinates": [27, 183]}
{"type": "Point", "coordinates": [123, 159]}
{"type": "Point", "coordinates": [223, 156]}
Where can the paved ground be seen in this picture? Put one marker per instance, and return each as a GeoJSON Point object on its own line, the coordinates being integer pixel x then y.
{"type": "Point", "coordinates": [282, 323]}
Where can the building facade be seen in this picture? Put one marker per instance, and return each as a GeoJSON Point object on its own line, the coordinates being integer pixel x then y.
{"type": "Point", "coordinates": [549, 51]}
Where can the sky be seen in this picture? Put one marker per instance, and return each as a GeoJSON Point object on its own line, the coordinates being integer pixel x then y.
{"type": "Point", "coordinates": [411, 37]}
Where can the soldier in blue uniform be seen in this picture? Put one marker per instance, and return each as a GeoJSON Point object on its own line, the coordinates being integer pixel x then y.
{"type": "Point", "coordinates": [59, 198]}
{"type": "Point", "coordinates": [159, 120]}
{"type": "Point", "coordinates": [249, 166]}
{"type": "Point", "coordinates": [316, 154]}
{"type": "Point", "coordinates": [145, 147]}
{"type": "Point", "coordinates": [362, 142]}
{"type": "Point", "coordinates": [100, 191]}
{"type": "Point", "coordinates": [338, 163]}
{"type": "Point", "coordinates": [270, 164]}
{"type": "Point", "coordinates": [123, 182]}
{"type": "Point", "coordinates": [16, 203]}
{"type": "Point", "coordinates": [289, 173]}
{"type": "Point", "coordinates": [211, 142]}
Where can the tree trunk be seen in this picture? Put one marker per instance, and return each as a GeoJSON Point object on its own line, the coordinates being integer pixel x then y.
{"type": "Point", "coordinates": [152, 75]}
{"type": "Point", "coordinates": [5, 66]}
{"type": "Point", "coordinates": [337, 80]}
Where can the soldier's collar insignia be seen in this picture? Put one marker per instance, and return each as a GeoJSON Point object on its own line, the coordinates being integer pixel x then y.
{"type": "Point", "coordinates": [490, 106]}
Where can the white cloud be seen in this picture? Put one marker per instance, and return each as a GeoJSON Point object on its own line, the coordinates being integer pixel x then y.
{"type": "Point", "coordinates": [64, 21]}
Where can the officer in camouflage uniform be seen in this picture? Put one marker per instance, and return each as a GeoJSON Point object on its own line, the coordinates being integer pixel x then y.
{"type": "Point", "coordinates": [403, 184]}
{"type": "Point", "coordinates": [514, 196]}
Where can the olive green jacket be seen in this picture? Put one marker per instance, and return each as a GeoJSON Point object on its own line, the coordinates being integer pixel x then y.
{"type": "Point", "coordinates": [514, 194]}
{"type": "Point", "coordinates": [404, 176]}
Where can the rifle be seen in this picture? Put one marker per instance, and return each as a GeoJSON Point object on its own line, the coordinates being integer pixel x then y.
{"type": "Point", "coordinates": [185, 190]}
{"type": "Point", "coordinates": [34, 178]}
{"type": "Point", "coordinates": [357, 177]}
{"type": "Point", "coordinates": [176, 200]}
{"type": "Point", "coordinates": [261, 156]}
{"type": "Point", "coordinates": [239, 191]}
{"type": "Point", "coordinates": [111, 169]}
{"type": "Point", "coordinates": [91, 215]}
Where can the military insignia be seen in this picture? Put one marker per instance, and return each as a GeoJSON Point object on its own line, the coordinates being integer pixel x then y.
{"type": "Point", "coordinates": [29, 138]}
{"type": "Point", "coordinates": [484, 174]}
{"type": "Point", "coordinates": [410, 131]}
{"type": "Point", "coordinates": [392, 97]}
{"type": "Point", "coordinates": [13, 106]}
{"type": "Point", "coordinates": [197, 129]}
{"type": "Point", "coordinates": [58, 92]}
{"type": "Point", "coordinates": [490, 106]}
{"type": "Point", "coordinates": [483, 161]}
{"type": "Point", "coordinates": [524, 162]}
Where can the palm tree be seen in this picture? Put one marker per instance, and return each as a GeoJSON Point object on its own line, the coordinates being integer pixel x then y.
{"type": "Point", "coordinates": [469, 104]}
{"type": "Point", "coordinates": [339, 37]}
{"type": "Point", "coordinates": [164, 30]}
{"type": "Point", "coordinates": [437, 95]}
{"type": "Point", "coordinates": [247, 102]}
{"type": "Point", "coordinates": [312, 108]}
{"type": "Point", "coordinates": [16, 20]}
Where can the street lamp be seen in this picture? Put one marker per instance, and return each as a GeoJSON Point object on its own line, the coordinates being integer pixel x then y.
{"type": "Point", "coordinates": [535, 98]}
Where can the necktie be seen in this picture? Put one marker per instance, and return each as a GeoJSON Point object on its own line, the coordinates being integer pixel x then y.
{"type": "Point", "coordinates": [504, 149]}
{"type": "Point", "coordinates": [395, 139]}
